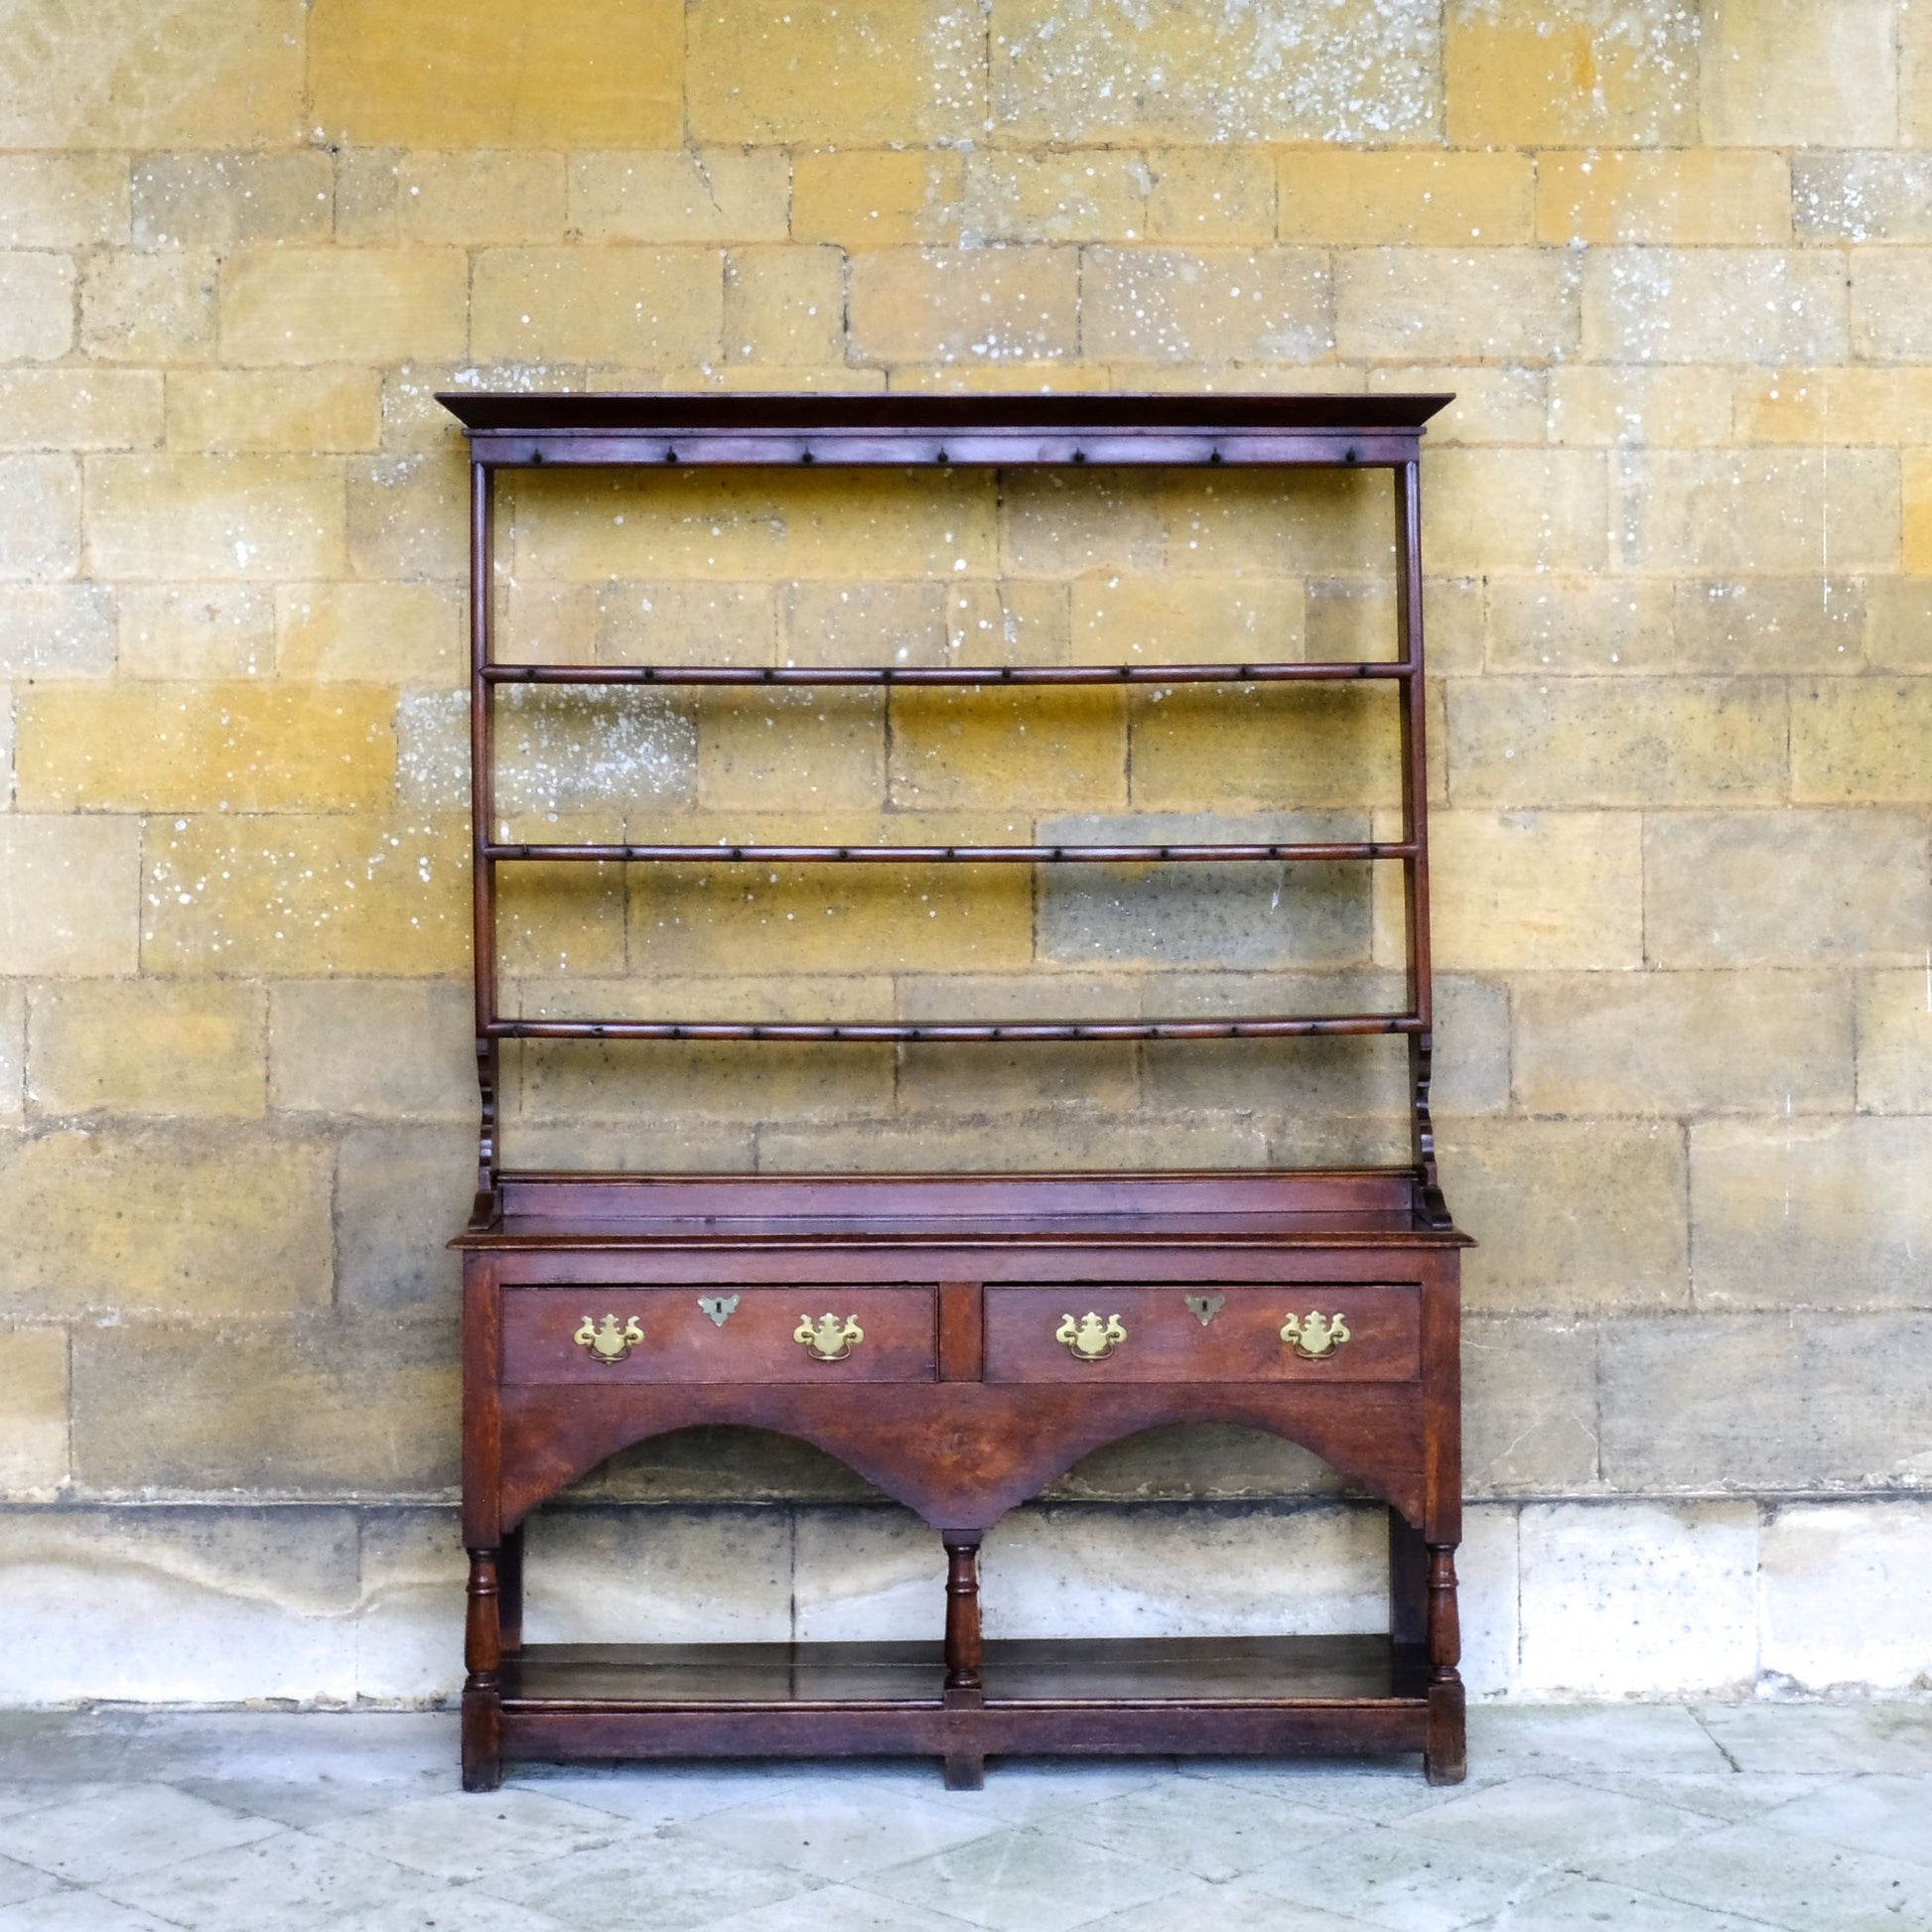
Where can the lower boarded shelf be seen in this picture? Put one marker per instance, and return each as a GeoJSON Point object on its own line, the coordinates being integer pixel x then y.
{"type": "Point", "coordinates": [1244, 1695]}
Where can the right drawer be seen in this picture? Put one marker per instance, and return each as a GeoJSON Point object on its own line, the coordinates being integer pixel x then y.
{"type": "Point", "coordinates": [1203, 1331]}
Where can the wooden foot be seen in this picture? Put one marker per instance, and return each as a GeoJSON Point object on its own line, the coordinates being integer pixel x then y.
{"type": "Point", "coordinates": [965, 1771]}
{"type": "Point", "coordinates": [1445, 1756]}
{"type": "Point", "coordinates": [482, 1740]}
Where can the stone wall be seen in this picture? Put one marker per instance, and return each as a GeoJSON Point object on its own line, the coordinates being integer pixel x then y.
{"type": "Point", "coordinates": [1671, 258]}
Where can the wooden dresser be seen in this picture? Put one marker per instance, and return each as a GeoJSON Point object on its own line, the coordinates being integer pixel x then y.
{"type": "Point", "coordinates": [960, 1339]}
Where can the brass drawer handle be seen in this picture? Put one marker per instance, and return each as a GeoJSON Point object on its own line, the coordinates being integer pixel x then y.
{"type": "Point", "coordinates": [606, 1340]}
{"type": "Point", "coordinates": [1090, 1340]}
{"type": "Point", "coordinates": [828, 1339]}
{"type": "Point", "coordinates": [1315, 1337]}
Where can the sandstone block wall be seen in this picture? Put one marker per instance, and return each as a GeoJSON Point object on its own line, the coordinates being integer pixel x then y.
{"type": "Point", "coordinates": [1671, 258]}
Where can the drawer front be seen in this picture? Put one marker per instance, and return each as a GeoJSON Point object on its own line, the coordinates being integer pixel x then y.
{"type": "Point", "coordinates": [672, 1334]}
{"type": "Point", "coordinates": [1156, 1333]}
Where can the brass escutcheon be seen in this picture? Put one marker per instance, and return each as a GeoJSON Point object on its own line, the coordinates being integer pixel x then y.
{"type": "Point", "coordinates": [1315, 1337]}
{"type": "Point", "coordinates": [606, 1340]}
{"type": "Point", "coordinates": [1204, 1308]}
{"type": "Point", "coordinates": [828, 1339]}
{"type": "Point", "coordinates": [719, 1308]}
{"type": "Point", "coordinates": [1090, 1340]}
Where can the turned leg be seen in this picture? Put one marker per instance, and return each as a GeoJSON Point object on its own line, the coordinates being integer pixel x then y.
{"type": "Point", "coordinates": [1446, 1755]}
{"type": "Point", "coordinates": [965, 1769]}
{"type": "Point", "coordinates": [482, 1655]}
{"type": "Point", "coordinates": [510, 1590]}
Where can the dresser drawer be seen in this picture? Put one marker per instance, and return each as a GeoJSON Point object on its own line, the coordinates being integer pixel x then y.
{"type": "Point", "coordinates": [676, 1334]}
{"type": "Point", "coordinates": [1088, 1332]}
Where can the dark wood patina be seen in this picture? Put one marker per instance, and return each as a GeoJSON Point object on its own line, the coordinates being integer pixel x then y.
{"type": "Point", "coordinates": [960, 1340]}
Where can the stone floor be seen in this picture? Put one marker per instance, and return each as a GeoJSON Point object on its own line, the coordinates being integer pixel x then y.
{"type": "Point", "coordinates": [1814, 1818]}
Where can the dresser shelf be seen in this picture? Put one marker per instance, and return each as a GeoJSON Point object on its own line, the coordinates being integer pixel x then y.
{"type": "Point", "coordinates": [960, 1340]}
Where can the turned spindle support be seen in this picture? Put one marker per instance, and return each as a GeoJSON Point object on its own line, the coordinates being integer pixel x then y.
{"type": "Point", "coordinates": [965, 1769]}
{"type": "Point", "coordinates": [482, 1656]}
{"type": "Point", "coordinates": [1446, 1755]}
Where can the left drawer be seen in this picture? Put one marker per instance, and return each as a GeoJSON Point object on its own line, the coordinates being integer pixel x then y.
{"type": "Point", "coordinates": [719, 1333]}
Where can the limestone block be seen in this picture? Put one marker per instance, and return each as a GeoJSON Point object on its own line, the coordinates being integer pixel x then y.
{"type": "Point", "coordinates": [219, 518]}
{"type": "Point", "coordinates": [1900, 633]}
{"type": "Point", "coordinates": [402, 633]}
{"type": "Point", "coordinates": [1168, 304]}
{"type": "Point", "coordinates": [39, 516]}
{"type": "Point", "coordinates": [423, 1062]}
{"type": "Point", "coordinates": [822, 74]}
{"type": "Point", "coordinates": [33, 1426]}
{"type": "Point", "coordinates": [408, 519]}
{"type": "Point", "coordinates": [868, 526]}
{"type": "Point", "coordinates": [1045, 1138]}
{"type": "Point", "coordinates": [246, 409]}
{"type": "Point", "coordinates": [199, 1605]}
{"type": "Point", "coordinates": [1625, 403]}
{"type": "Point", "coordinates": [1487, 1600]}
{"type": "Point", "coordinates": [1195, 1463]}
{"type": "Point", "coordinates": [1888, 323]}
{"type": "Point", "coordinates": [1916, 73]}
{"type": "Point", "coordinates": [718, 194]}
{"type": "Point", "coordinates": [36, 307]}
{"type": "Point", "coordinates": [185, 748]}
{"type": "Point", "coordinates": [810, 749]}
{"type": "Point", "coordinates": [1211, 197]}
{"type": "Point", "coordinates": [1815, 1213]}
{"type": "Point", "coordinates": [553, 920]}
{"type": "Point", "coordinates": [80, 409]}
{"type": "Point", "coordinates": [1816, 1561]}
{"type": "Point", "coordinates": [1555, 626]}
{"type": "Point", "coordinates": [646, 307]}
{"type": "Point", "coordinates": [313, 1407]}
{"type": "Point", "coordinates": [657, 1576]}
{"type": "Point", "coordinates": [70, 896]}
{"type": "Point", "coordinates": [254, 1239]}
{"type": "Point", "coordinates": [1075, 194]}
{"type": "Point", "coordinates": [1173, 75]}
{"type": "Point", "coordinates": [1786, 889]}
{"type": "Point", "coordinates": [1861, 741]}
{"type": "Point", "coordinates": [909, 305]}
{"type": "Point", "coordinates": [408, 1626]}
{"type": "Point", "coordinates": [1567, 74]}
{"type": "Point", "coordinates": [1584, 742]}
{"type": "Point", "coordinates": [1861, 196]}
{"type": "Point", "coordinates": [722, 1464]}
{"type": "Point", "coordinates": [1536, 890]}
{"type": "Point", "coordinates": [711, 624]}
{"type": "Point", "coordinates": [1894, 1029]}
{"type": "Point", "coordinates": [398, 1198]}
{"type": "Point", "coordinates": [1417, 197]}
{"type": "Point", "coordinates": [1710, 513]}
{"type": "Point", "coordinates": [1489, 510]}
{"type": "Point", "coordinates": [879, 198]}
{"type": "Point", "coordinates": [293, 896]}
{"type": "Point", "coordinates": [1781, 73]}
{"type": "Point", "coordinates": [1687, 197]}
{"type": "Point", "coordinates": [63, 201]}
{"type": "Point", "coordinates": [784, 305]}
{"type": "Point", "coordinates": [197, 631]}
{"type": "Point", "coordinates": [55, 629]}
{"type": "Point", "coordinates": [865, 1575]}
{"type": "Point", "coordinates": [1473, 1049]}
{"type": "Point", "coordinates": [478, 195]}
{"type": "Point", "coordinates": [1683, 1042]}
{"type": "Point", "coordinates": [1571, 1214]}
{"type": "Point", "coordinates": [1514, 305]}
{"type": "Point", "coordinates": [342, 304]}
{"type": "Point", "coordinates": [228, 73]}
{"type": "Point", "coordinates": [1631, 1599]}
{"type": "Point", "coordinates": [450, 76]}
{"type": "Point", "coordinates": [1884, 406]}
{"type": "Point", "coordinates": [1225, 915]}
{"type": "Point", "coordinates": [1360, 1081]}
{"type": "Point", "coordinates": [13, 1051]}
{"type": "Point", "coordinates": [1246, 748]}
{"type": "Point", "coordinates": [1693, 305]}
{"type": "Point", "coordinates": [147, 1046]}
{"type": "Point", "coordinates": [968, 750]}
{"type": "Point", "coordinates": [1829, 1403]}
{"type": "Point", "coordinates": [868, 623]}
{"type": "Point", "coordinates": [231, 201]}
{"type": "Point", "coordinates": [1068, 1571]}
{"type": "Point", "coordinates": [1769, 624]}
{"type": "Point", "coordinates": [149, 308]}
{"type": "Point", "coordinates": [1193, 620]}
{"type": "Point", "coordinates": [1917, 479]}
{"type": "Point", "coordinates": [977, 1080]}
{"type": "Point", "coordinates": [1529, 1404]}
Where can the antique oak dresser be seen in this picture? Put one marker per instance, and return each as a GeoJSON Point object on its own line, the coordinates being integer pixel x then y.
{"type": "Point", "coordinates": [958, 1339]}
